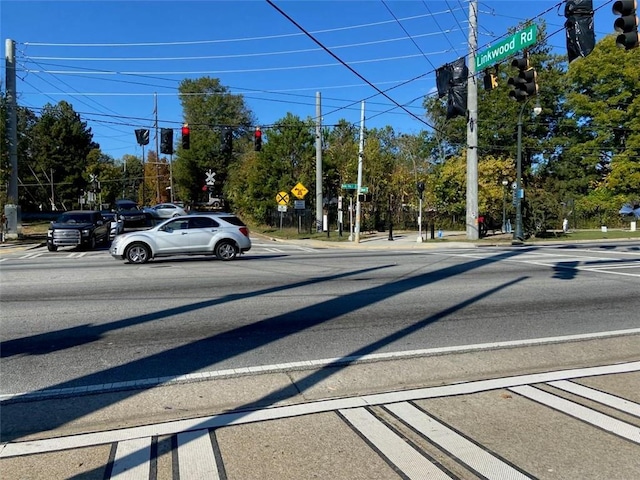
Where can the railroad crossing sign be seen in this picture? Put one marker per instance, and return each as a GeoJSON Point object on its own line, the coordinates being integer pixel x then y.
{"type": "Point", "coordinates": [211, 177]}
{"type": "Point", "coordinates": [299, 191]}
{"type": "Point", "coordinates": [282, 198]}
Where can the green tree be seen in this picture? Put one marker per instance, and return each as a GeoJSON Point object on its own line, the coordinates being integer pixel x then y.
{"type": "Point", "coordinates": [287, 157]}
{"type": "Point", "coordinates": [208, 108]}
{"type": "Point", "coordinates": [61, 143]}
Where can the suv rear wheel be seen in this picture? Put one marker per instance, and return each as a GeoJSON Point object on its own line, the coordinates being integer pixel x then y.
{"type": "Point", "coordinates": [137, 253]}
{"type": "Point", "coordinates": [226, 250]}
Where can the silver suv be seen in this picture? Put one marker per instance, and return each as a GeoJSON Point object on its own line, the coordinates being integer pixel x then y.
{"type": "Point", "coordinates": [221, 234]}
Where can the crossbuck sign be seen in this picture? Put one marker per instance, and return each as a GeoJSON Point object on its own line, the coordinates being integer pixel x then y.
{"type": "Point", "coordinates": [211, 177]}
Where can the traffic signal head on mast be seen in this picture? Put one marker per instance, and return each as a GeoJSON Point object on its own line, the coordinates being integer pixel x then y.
{"type": "Point", "coordinates": [166, 141]}
{"type": "Point", "coordinates": [627, 24]}
{"type": "Point", "coordinates": [186, 141]}
{"type": "Point", "coordinates": [525, 83]}
{"type": "Point", "coordinates": [257, 140]}
{"type": "Point", "coordinates": [227, 140]}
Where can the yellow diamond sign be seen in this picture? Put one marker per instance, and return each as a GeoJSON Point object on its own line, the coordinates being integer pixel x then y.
{"type": "Point", "coordinates": [282, 198]}
{"type": "Point", "coordinates": [299, 191]}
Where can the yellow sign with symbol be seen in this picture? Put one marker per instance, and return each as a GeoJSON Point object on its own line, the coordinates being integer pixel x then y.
{"type": "Point", "coordinates": [282, 198]}
{"type": "Point", "coordinates": [299, 191]}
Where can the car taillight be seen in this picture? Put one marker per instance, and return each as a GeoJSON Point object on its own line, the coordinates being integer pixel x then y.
{"type": "Point", "coordinates": [244, 231]}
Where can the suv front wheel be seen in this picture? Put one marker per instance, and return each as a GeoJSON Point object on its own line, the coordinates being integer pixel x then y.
{"type": "Point", "coordinates": [137, 253]}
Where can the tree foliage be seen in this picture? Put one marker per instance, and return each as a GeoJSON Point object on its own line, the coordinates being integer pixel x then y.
{"type": "Point", "coordinates": [581, 154]}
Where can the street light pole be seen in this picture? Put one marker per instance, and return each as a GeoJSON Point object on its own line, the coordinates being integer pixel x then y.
{"type": "Point", "coordinates": [517, 234]}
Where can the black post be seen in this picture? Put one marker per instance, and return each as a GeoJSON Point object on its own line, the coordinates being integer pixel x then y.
{"type": "Point", "coordinates": [390, 219]}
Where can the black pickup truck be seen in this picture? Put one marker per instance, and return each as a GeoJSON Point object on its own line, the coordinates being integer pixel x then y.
{"type": "Point", "coordinates": [78, 228]}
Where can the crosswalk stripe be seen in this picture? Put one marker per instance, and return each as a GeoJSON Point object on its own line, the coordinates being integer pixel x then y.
{"type": "Point", "coordinates": [585, 414]}
{"type": "Point", "coordinates": [132, 460]}
{"type": "Point", "coordinates": [407, 459]}
{"type": "Point", "coordinates": [601, 397]}
{"type": "Point", "coordinates": [30, 255]}
{"type": "Point", "coordinates": [195, 456]}
{"type": "Point", "coordinates": [478, 459]}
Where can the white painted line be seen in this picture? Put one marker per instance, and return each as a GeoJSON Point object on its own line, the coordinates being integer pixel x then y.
{"type": "Point", "coordinates": [585, 414]}
{"type": "Point", "coordinates": [613, 267]}
{"type": "Point", "coordinates": [498, 383]}
{"type": "Point", "coordinates": [196, 460]}
{"type": "Point", "coordinates": [30, 255]}
{"type": "Point", "coordinates": [408, 460]}
{"type": "Point", "coordinates": [489, 466]}
{"type": "Point", "coordinates": [320, 363]}
{"type": "Point", "coordinates": [132, 460]}
{"type": "Point", "coordinates": [607, 399]}
{"type": "Point", "coordinates": [273, 413]}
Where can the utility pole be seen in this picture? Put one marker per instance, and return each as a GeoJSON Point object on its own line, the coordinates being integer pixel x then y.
{"type": "Point", "coordinates": [155, 111]}
{"type": "Point", "coordinates": [319, 165]}
{"type": "Point", "coordinates": [472, 127]}
{"type": "Point", "coordinates": [12, 209]}
{"type": "Point", "coordinates": [359, 187]}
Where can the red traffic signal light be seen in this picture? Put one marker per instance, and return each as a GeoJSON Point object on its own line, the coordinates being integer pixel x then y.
{"type": "Point", "coordinates": [257, 140]}
{"type": "Point", "coordinates": [627, 24]}
{"type": "Point", "coordinates": [185, 137]}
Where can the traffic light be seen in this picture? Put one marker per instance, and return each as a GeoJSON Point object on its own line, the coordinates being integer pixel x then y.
{"type": "Point", "coordinates": [490, 80]}
{"type": "Point", "coordinates": [186, 143]}
{"type": "Point", "coordinates": [627, 24]}
{"type": "Point", "coordinates": [227, 140]}
{"type": "Point", "coordinates": [257, 140]}
{"type": "Point", "coordinates": [166, 141]}
{"type": "Point", "coordinates": [524, 84]}
{"type": "Point", "coordinates": [420, 186]}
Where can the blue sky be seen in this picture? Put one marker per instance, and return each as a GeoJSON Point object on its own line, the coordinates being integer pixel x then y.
{"type": "Point", "coordinates": [112, 60]}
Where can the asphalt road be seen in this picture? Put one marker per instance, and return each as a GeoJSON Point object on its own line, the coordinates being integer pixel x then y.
{"type": "Point", "coordinates": [75, 321]}
{"type": "Point", "coordinates": [71, 321]}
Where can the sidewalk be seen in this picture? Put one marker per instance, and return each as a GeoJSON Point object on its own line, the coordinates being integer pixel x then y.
{"type": "Point", "coordinates": [401, 239]}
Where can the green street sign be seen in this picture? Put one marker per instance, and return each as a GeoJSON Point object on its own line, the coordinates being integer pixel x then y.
{"type": "Point", "coordinates": [364, 189]}
{"type": "Point", "coordinates": [507, 47]}
{"type": "Point", "coordinates": [349, 186]}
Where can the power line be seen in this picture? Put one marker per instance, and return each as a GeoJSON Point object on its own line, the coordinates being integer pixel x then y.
{"type": "Point", "coordinates": [348, 66]}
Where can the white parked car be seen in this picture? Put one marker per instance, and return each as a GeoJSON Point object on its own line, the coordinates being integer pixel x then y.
{"type": "Point", "coordinates": [166, 210]}
{"type": "Point", "coordinates": [221, 234]}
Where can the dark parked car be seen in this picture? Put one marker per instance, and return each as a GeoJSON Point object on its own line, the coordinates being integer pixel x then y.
{"type": "Point", "coordinates": [131, 215]}
{"type": "Point", "coordinates": [78, 228]}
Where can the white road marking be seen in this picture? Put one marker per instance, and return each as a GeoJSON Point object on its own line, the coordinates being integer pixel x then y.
{"type": "Point", "coordinates": [238, 418]}
{"type": "Point", "coordinates": [618, 403]}
{"type": "Point", "coordinates": [195, 456]}
{"type": "Point", "coordinates": [408, 460]}
{"type": "Point", "coordinates": [132, 461]}
{"type": "Point", "coordinates": [483, 462]}
{"type": "Point", "coordinates": [307, 364]}
{"type": "Point", "coordinates": [575, 410]}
